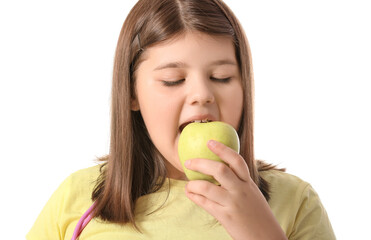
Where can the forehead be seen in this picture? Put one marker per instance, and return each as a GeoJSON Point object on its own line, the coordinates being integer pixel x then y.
{"type": "Point", "coordinates": [190, 48]}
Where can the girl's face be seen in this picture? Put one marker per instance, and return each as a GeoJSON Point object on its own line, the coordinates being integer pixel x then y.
{"type": "Point", "coordinates": [191, 77]}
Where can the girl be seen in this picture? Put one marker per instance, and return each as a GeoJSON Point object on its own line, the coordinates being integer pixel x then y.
{"type": "Point", "coordinates": [178, 61]}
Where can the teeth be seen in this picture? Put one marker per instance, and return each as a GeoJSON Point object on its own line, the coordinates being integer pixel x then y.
{"type": "Point", "coordinates": [201, 121]}
{"type": "Point", "coordinates": [194, 121]}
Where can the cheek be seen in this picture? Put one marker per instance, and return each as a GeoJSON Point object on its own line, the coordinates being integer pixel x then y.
{"type": "Point", "coordinates": [161, 120]}
{"type": "Point", "coordinates": [233, 107]}
{"type": "Point", "coordinates": [160, 114]}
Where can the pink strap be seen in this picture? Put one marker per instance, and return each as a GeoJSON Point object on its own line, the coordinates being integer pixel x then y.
{"type": "Point", "coordinates": [84, 220]}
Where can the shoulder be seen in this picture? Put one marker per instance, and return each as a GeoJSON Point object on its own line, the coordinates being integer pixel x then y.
{"type": "Point", "coordinates": [80, 184]}
{"type": "Point", "coordinates": [76, 189]}
{"type": "Point", "coordinates": [297, 207]}
{"type": "Point", "coordinates": [86, 175]}
{"type": "Point", "coordinates": [66, 205]}
{"type": "Point", "coordinates": [284, 183]}
{"type": "Point", "coordinates": [286, 191]}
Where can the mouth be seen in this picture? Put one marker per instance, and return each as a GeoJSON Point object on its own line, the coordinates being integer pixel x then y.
{"type": "Point", "coordinates": [197, 121]}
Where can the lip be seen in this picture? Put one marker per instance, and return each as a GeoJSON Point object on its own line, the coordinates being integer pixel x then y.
{"type": "Point", "coordinates": [208, 117]}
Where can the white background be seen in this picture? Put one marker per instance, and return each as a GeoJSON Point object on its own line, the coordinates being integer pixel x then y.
{"type": "Point", "coordinates": [312, 73]}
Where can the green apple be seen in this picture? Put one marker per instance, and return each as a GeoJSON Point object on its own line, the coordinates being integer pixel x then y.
{"type": "Point", "coordinates": [193, 144]}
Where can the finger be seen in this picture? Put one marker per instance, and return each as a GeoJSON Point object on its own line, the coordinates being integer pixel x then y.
{"type": "Point", "coordinates": [219, 170]}
{"type": "Point", "coordinates": [209, 190]}
{"type": "Point", "coordinates": [232, 158]}
{"type": "Point", "coordinates": [210, 206]}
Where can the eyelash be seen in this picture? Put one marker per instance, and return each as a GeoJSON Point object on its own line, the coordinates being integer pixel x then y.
{"type": "Point", "coordinates": [221, 80]}
{"type": "Point", "coordinates": [175, 83]}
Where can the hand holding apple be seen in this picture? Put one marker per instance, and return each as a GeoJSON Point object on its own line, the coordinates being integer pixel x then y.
{"type": "Point", "coordinates": [237, 203]}
{"type": "Point", "coordinates": [193, 144]}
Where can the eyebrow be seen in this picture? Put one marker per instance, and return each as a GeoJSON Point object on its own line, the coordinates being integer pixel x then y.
{"type": "Point", "coordinates": [184, 65]}
{"type": "Point", "coordinates": [171, 65]}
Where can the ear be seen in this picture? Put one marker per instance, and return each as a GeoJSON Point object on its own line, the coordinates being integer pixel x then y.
{"type": "Point", "coordinates": [134, 104]}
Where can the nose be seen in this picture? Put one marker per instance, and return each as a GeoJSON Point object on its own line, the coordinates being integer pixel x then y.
{"type": "Point", "coordinates": [200, 92]}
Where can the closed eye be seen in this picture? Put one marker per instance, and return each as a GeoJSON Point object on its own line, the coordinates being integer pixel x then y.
{"type": "Point", "coordinates": [221, 80]}
{"type": "Point", "coordinates": [178, 82]}
{"type": "Point", "coordinates": [172, 83]}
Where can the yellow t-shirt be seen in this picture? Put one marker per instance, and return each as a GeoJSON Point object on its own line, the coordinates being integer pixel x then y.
{"type": "Point", "coordinates": [294, 203]}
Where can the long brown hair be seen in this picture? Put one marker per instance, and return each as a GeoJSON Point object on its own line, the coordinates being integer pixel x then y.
{"type": "Point", "coordinates": [134, 167]}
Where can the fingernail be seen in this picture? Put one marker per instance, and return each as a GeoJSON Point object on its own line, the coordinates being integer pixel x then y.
{"type": "Point", "coordinates": [212, 143]}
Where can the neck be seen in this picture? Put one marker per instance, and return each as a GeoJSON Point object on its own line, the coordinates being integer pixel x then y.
{"type": "Point", "coordinates": [174, 173]}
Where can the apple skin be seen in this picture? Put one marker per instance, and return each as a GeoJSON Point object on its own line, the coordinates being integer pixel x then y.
{"type": "Point", "coordinates": [193, 144]}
